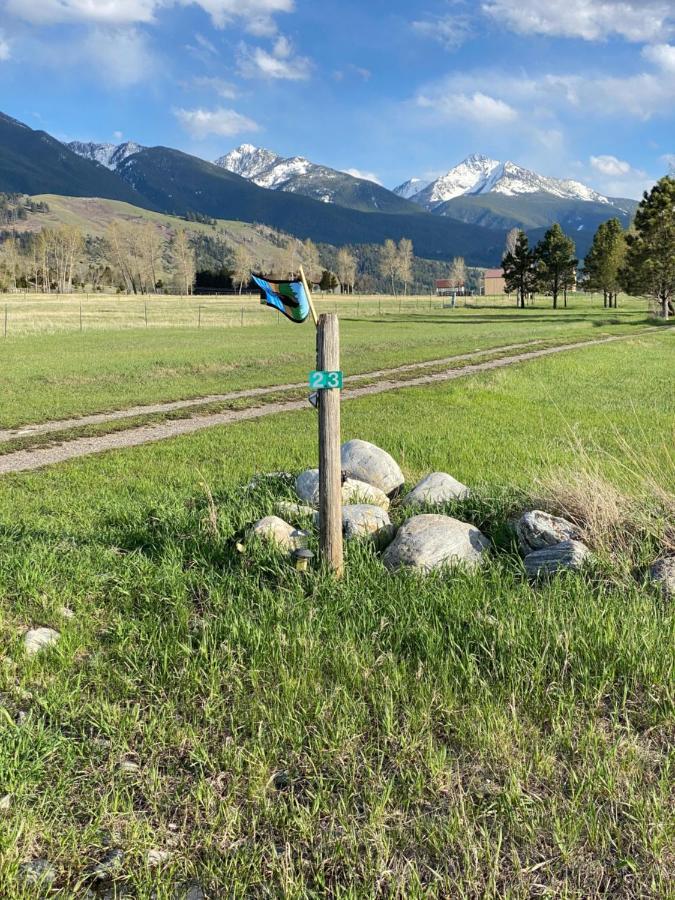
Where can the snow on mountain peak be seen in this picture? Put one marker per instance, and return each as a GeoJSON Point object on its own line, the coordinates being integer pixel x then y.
{"type": "Point", "coordinates": [410, 188]}
{"type": "Point", "coordinates": [248, 161]}
{"type": "Point", "coordinates": [108, 155]}
{"type": "Point", "coordinates": [479, 174]}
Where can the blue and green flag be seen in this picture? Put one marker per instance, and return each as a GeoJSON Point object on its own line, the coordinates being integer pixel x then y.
{"type": "Point", "coordinates": [289, 297]}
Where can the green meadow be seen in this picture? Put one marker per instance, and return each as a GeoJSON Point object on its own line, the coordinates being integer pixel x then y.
{"type": "Point", "coordinates": [227, 722]}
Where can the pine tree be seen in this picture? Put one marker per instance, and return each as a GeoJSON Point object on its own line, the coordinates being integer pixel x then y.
{"type": "Point", "coordinates": [520, 272]}
{"type": "Point", "coordinates": [556, 263]}
{"type": "Point", "coordinates": [605, 259]}
{"type": "Point", "coordinates": [650, 258]}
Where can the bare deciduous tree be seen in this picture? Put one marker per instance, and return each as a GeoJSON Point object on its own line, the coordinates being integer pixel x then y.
{"type": "Point", "coordinates": [346, 269]}
{"type": "Point", "coordinates": [241, 266]}
{"type": "Point", "coordinates": [184, 260]}
{"type": "Point", "coordinates": [404, 261]}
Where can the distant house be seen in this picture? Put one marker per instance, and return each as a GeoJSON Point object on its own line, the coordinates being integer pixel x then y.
{"type": "Point", "coordinates": [493, 282]}
{"type": "Point", "coordinates": [446, 288]}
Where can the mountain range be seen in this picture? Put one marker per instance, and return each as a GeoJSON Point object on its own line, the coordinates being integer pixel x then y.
{"type": "Point", "coordinates": [465, 212]}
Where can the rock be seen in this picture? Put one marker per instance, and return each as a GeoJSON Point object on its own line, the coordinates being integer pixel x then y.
{"type": "Point", "coordinates": [66, 613]}
{"type": "Point", "coordinates": [662, 574]}
{"type": "Point", "coordinates": [109, 864]}
{"type": "Point", "coordinates": [288, 510]}
{"type": "Point", "coordinates": [366, 462]}
{"type": "Point", "coordinates": [276, 531]}
{"type": "Point", "coordinates": [430, 541]}
{"type": "Point", "coordinates": [436, 489]}
{"type": "Point", "coordinates": [565, 555]}
{"type": "Point", "coordinates": [129, 767]}
{"type": "Point", "coordinates": [157, 857]}
{"type": "Point", "coordinates": [366, 520]}
{"type": "Point", "coordinates": [307, 486]}
{"type": "Point", "coordinates": [354, 491]}
{"type": "Point", "coordinates": [190, 890]}
{"type": "Point", "coordinates": [38, 871]}
{"type": "Point", "coordinates": [35, 639]}
{"type": "Point", "coordinates": [537, 530]}
{"type": "Point", "coordinates": [5, 802]}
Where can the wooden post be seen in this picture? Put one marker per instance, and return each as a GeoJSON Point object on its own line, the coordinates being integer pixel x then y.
{"type": "Point", "coordinates": [330, 477]}
{"type": "Point", "coordinates": [309, 297]}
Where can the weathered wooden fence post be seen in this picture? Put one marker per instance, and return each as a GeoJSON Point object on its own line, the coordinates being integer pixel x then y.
{"type": "Point", "coordinates": [330, 476]}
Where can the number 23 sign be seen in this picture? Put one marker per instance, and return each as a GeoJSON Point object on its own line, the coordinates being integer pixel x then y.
{"type": "Point", "coordinates": [323, 380]}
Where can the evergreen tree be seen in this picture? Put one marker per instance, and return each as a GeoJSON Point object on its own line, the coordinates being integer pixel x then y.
{"type": "Point", "coordinates": [650, 258]}
{"type": "Point", "coordinates": [605, 259]}
{"type": "Point", "coordinates": [520, 272]}
{"type": "Point", "coordinates": [556, 263]}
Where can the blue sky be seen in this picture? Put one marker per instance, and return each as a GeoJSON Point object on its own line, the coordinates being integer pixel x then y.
{"type": "Point", "coordinates": [581, 89]}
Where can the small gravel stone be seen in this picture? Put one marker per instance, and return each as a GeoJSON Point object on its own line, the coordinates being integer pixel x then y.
{"type": "Point", "coordinates": [5, 802]}
{"type": "Point", "coordinates": [35, 639]}
{"type": "Point", "coordinates": [156, 857]}
{"type": "Point", "coordinates": [110, 863]}
{"type": "Point", "coordinates": [38, 871]}
{"type": "Point", "coordinates": [662, 574]}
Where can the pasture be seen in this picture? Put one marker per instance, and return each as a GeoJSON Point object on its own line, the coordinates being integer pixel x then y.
{"type": "Point", "coordinates": [226, 722]}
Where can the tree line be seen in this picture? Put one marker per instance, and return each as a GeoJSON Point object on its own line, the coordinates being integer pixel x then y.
{"type": "Point", "coordinates": [639, 261]}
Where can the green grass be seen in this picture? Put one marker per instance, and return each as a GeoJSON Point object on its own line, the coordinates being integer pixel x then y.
{"type": "Point", "coordinates": [456, 736]}
{"type": "Point", "coordinates": [51, 376]}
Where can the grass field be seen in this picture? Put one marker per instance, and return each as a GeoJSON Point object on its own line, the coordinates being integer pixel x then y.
{"type": "Point", "coordinates": [286, 736]}
{"type": "Point", "coordinates": [49, 376]}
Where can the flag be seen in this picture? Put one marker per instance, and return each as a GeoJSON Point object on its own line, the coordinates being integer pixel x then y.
{"type": "Point", "coordinates": [289, 297]}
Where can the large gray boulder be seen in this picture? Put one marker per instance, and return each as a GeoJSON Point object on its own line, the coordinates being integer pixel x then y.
{"type": "Point", "coordinates": [307, 486]}
{"type": "Point", "coordinates": [430, 542]}
{"type": "Point", "coordinates": [361, 520]}
{"type": "Point", "coordinates": [353, 491]}
{"type": "Point", "coordinates": [274, 530]}
{"type": "Point", "coordinates": [366, 462]}
{"type": "Point", "coordinates": [436, 489]}
{"type": "Point", "coordinates": [537, 530]}
{"type": "Point", "coordinates": [566, 555]}
{"type": "Point", "coordinates": [662, 574]}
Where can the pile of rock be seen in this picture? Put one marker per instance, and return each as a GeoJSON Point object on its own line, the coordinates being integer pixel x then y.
{"type": "Point", "coordinates": [549, 544]}
{"type": "Point", "coordinates": [373, 480]}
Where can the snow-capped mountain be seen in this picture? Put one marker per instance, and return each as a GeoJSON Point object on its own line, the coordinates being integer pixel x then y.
{"type": "Point", "coordinates": [298, 175]}
{"type": "Point", "coordinates": [481, 175]}
{"type": "Point", "coordinates": [108, 155]}
{"type": "Point", "coordinates": [248, 161]}
{"type": "Point", "coordinates": [410, 188]}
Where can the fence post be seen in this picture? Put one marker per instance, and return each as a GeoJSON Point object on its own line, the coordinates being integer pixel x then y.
{"type": "Point", "coordinates": [199, 317]}
{"type": "Point", "coordinates": [5, 320]}
{"type": "Point", "coordinates": [145, 312]}
{"type": "Point", "coordinates": [242, 317]}
{"type": "Point", "coordinates": [330, 481]}
{"type": "Point", "coordinates": [80, 315]}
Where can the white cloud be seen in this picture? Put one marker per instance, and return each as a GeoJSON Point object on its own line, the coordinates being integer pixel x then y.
{"type": "Point", "coordinates": [257, 14]}
{"type": "Point", "coordinates": [254, 62]}
{"type": "Point", "coordinates": [476, 107]}
{"type": "Point", "coordinates": [610, 165]}
{"type": "Point", "coordinates": [662, 56]}
{"type": "Point", "coordinates": [224, 89]}
{"type": "Point", "coordinates": [367, 176]}
{"type": "Point", "coordinates": [110, 12]}
{"type": "Point", "coordinates": [592, 20]}
{"type": "Point", "coordinates": [451, 31]}
{"type": "Point", "coordinates": [201, 123]}
{"type": "Point", "coordinates": [5, 51]}
{"type": "Point", "coordinates": [669, 160]}
{"type": "Point", "coordinates": [118, 135]}
{"type": "Point", "coordinates": [121, 57]}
